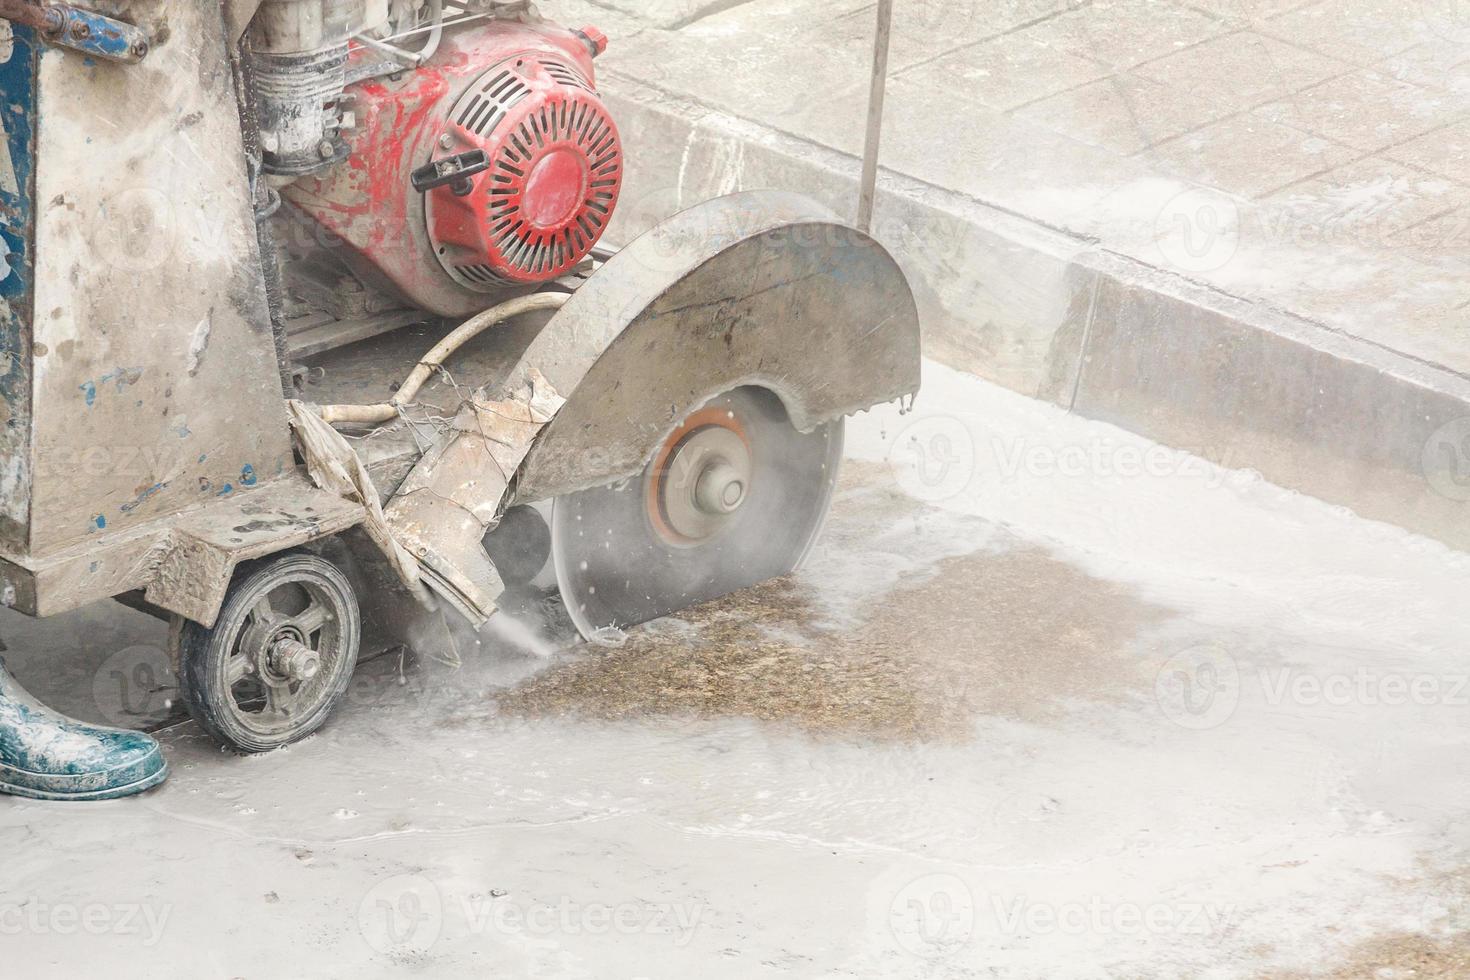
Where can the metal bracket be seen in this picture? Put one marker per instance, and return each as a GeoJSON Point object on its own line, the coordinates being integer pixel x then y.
{"type": "Point", "coordinates": [91, 33]}
{"type": "Point", "coordinates": [455, 171]}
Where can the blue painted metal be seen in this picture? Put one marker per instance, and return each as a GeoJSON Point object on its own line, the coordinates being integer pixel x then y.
{"type": "Point", "coordinates": [92, 33]}
{"type": "Point", "coordinates": [17, 267]}
{"type": "Point", "coordinates": [48, 756]}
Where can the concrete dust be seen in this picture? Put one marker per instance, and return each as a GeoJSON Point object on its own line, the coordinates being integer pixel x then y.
{"type": "Point", "coordinates": [1404, 956]}
{"type": "Point", "coordinates": [989, 646]}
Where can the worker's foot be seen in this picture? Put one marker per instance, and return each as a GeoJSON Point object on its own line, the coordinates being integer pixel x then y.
{"type": "Point", "coordinates": [48, 756]}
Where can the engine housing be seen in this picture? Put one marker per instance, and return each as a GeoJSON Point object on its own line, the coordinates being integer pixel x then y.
{"type": "Point", "coordinates": [555, 167]}
{"type": "Point", "coordinates": [525, 95]}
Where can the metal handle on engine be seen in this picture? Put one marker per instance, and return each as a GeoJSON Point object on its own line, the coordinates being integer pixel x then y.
{"type": "Point", "coordinates": [455, 171]}
{"type": "Point", "coordinates": [81, 30]}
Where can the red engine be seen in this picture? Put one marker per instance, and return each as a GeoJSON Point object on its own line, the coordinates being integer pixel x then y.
{"type": "Point", "coordinates": [494, 166]}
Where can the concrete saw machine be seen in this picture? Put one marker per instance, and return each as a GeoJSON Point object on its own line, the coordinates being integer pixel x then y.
{"type": "Point", "coordinates": [312, 325]}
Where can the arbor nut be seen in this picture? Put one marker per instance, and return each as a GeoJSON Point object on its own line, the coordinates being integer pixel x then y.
{"type": "Point", "coordinates": [326, 150]}
{"type": "Point", "coordinates": [720, 488]}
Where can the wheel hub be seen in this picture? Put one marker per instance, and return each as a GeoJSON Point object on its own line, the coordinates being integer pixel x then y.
{"type": "Point", "coordinates": [294, 660]}
{"type": "Point", "coordinates": [720, 488]}
{"type": "Point", "coordinates": [702, 477]}
{"type": "Point", "coordinates": [279, 656]}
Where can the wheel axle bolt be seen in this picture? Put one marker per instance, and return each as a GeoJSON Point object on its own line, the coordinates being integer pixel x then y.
{"type": "Point", "coordinates": [294, 659]}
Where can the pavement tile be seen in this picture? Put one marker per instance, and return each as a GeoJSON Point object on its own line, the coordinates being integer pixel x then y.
{"type": "Point", "coordinates": [752, 75]}
{"type": "Point", "coordinates": [1444, 151]}
{"type": "Point", "coordinates": [1367, 110]}
{"type": "Point", "coordinates": [982, 153]}
{"type": "Point", "coordinates": [1245, 13]}
{"type": "Point", "coordinates": [779, 20]}
{"type": "Point", "coordinates": [1360, 31]}
{"type": "Point", "coordinates": [1243, 69]}
{"type": "Point", "coordinates": [1124, 33]}
{"type": "Point", "coordinates": [1434, 64]}
{"type": "Point", "coordinates": [659, 13]}
{"type": "Point", "coordinates": [1247, 155]}
{"type": "Point", "coordinates": [1124, 113]}
{"type": "Point", "coordinates": [923, 29]}
{"type": "Point", "coordinates": [1370, 203]}
{"type": "Point", "coordinates": [1447, 234]}
{"type": "Point", "coordinates": [616, 24]}
{"type": "Point", "coordinates": [1008, 71]}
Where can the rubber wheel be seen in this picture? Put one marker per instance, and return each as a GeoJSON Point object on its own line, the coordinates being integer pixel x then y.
{"type": "Point", "coordinates": [279, 657]}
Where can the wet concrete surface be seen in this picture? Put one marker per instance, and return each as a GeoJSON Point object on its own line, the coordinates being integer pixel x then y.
{"type": "Point", "coordinates": [1029, 710]}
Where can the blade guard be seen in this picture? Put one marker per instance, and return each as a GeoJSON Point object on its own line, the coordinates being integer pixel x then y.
{"type": "Point", "coordinates": [760, 288]}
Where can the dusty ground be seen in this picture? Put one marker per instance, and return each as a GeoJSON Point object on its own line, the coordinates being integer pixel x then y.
{"type": "Point", "coordinates": [1014, 719]}
{"type": "Point", "coordinates": [1012, 634]}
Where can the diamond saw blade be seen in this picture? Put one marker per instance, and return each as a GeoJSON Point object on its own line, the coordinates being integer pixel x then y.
{"type": "Point", "coordinates": [734, 496]}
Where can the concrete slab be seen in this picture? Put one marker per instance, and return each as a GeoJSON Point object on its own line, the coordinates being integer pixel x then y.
{"type": "Point", "coordinates": [1123, 113]}
{"type": "Point", "coordinates": [1367, 109]}
{"type": "Point", "coordinates": [1438, 64]}
{"type": "Point", "coordinates": [1285, 156]}
{"type": "Point", "coordinates": [1446, 152]}
{"type": "Point", "coordinates": [1363, 32]}
{"type": "Point", "coordinates": [1125, 33]}
{"type": "Point", "coordinates": [1377, 199]}
{"type": "Point", "coordinates": [1007, 72]}
{"type": "Point", "coordinates": [1047, 696]}
{"type": "Point", "coordinates": [1242, 70]}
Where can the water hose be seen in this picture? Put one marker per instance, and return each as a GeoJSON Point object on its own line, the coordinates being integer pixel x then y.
{"type": "Point", "coordinates": [441, 352]}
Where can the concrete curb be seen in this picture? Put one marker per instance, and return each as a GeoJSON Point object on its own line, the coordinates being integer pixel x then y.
{"type": "Point", "coordinates": [1057, 317]}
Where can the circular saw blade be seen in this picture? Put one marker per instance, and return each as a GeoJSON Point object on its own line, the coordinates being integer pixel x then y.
{"type": "Point", "coordinates": [616, 568]}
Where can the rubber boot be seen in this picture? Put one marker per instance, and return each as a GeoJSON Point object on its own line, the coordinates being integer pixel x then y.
{"type": "Point", "coordinates": [48, 756]}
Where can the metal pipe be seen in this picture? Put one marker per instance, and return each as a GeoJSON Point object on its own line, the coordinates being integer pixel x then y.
{"type": "Point", "coordinates": [440, 352]}
{"type": "Point", "coordinates": [409, 59]}
{"type": "Point", "coordinates": [29, 14]}
{"type": "Point", "coordinates": [878, 85]}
